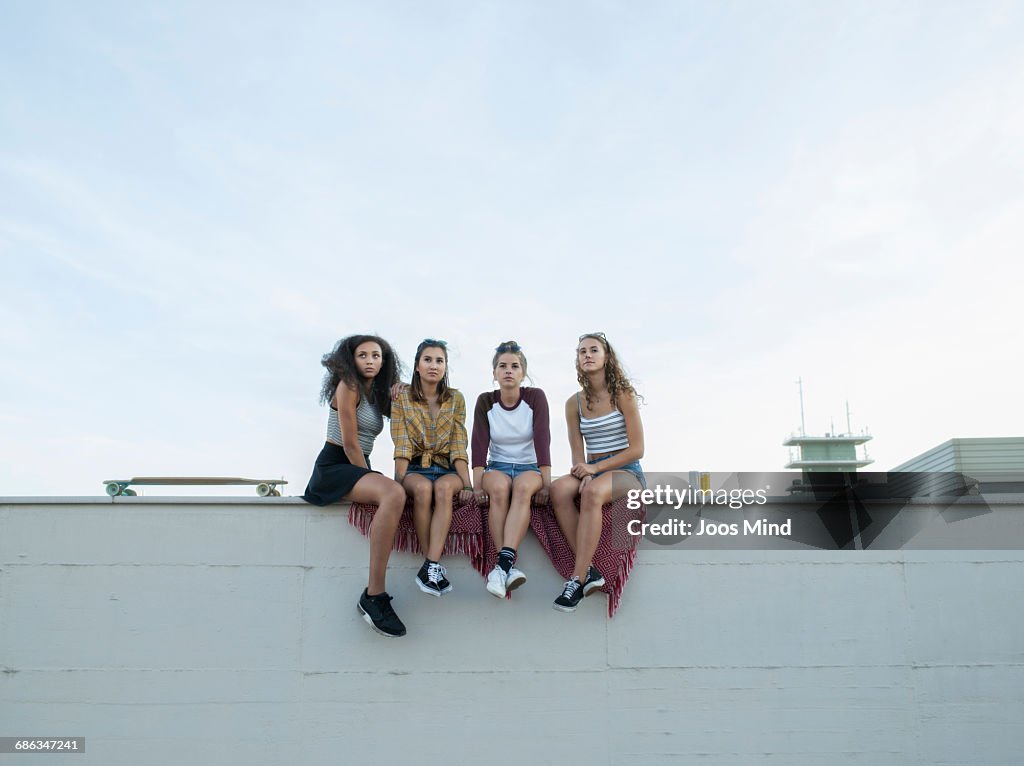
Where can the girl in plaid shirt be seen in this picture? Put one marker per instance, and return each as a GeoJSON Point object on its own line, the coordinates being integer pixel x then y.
{"type": "Point", "coordinates": [428, 427]}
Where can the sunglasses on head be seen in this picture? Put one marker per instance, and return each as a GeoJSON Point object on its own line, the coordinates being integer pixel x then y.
{"type": "Point", "coordinates": [433, 342]}
{"type": "Point", "coordinates": [592, 335]}
{"type": "Point", "coordinates": [513, 348]}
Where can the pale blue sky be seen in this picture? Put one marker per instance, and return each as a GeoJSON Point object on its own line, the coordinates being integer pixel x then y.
{"type": "Point", "coordinates": [197, 200]}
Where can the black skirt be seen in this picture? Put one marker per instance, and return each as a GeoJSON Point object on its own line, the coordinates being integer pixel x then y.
{"type": "Point", "coordinates": [333, 476]}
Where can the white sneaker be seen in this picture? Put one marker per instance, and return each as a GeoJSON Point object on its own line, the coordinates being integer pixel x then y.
{"type": "Point", "coordinates": [496, 582]}
{"type": "Point", "coordinates": [516, 577]}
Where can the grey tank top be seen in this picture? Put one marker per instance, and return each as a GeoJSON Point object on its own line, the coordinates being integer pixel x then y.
{"type": "Point", "coordinates": [369, 421]}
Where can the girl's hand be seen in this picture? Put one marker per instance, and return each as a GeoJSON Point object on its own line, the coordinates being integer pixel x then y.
{"type": "Point", "coordinates": [542, 496]}
{"type": "Point", "coordinates": [397, 389]}
{"type": "Point", "coordinates": [465, 496]}
{"type": "Point", "coordinates": [583, 470]}
{"type": "Point", "coordinates": [481, 498]}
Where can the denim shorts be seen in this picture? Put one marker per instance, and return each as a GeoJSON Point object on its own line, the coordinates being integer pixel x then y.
{"type": "Point", "coordinates": [433, 472]}
{"type": "Point", "coordinates": [511, 469]}
{"type": "Point", "coordinates": [634, 468]}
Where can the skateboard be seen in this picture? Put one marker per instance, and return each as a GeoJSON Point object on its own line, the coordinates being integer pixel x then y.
{"type": "Point", "coordinates": [264, 487]}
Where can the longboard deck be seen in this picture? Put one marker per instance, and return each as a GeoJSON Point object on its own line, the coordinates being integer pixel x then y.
{"type": "Point", "coordinates": [194, 480]}
{"type": "Point", "coordinates": [264, 487]}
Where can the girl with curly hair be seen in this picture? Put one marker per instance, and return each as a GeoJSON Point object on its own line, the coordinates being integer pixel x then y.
{"type": "Point", "coordinates": [428, 427]}
{"type": "Point", "coordinates": [604, 420]}
{"type": "Point", "coordinates": [511, 460]}
{"type": "Point", "coordinates": [361, 371]}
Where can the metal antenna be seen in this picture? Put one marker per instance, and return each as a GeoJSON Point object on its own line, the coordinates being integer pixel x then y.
{"type": "Point", "coordinates": [800, 382]}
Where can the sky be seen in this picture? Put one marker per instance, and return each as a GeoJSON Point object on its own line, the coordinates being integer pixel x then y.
{"type": "Point", "coordinates": [198, 199]}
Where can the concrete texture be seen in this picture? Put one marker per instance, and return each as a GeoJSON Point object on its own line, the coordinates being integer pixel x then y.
{"type": "Point", "coordinates": [225, 631]}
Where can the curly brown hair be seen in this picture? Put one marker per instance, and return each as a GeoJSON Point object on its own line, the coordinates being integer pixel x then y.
{"type": "Point", "coordinates": [614, 376]}
{"type": "Point", "coordinates": [340, 364]}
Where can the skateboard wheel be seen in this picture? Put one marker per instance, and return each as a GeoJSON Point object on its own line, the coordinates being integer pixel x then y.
{"type": "Point", "coordinates": [113, 490]}
{"type": "Point", "coordinates": [263, 490]}
{"type": "Point", "coordinates": [276, 492]}
{"type": "Point", "coordinates": [129, 493]}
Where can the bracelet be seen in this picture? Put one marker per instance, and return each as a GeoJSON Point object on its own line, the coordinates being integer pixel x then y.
{"type": "Point", "coordinates": [468, 487]}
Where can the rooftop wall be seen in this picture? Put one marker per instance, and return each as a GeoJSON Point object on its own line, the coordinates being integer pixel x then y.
{"type": "Point", "coordinates": [167, 630]}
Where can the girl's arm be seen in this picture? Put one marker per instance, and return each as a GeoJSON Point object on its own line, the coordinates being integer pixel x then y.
{"type": "Point", "coordinates": [457, 448]}
{"type": "Point", "coordinates": [462, 469]}
{"type": "Point", "coordinates": [541, 441]}
{"type": "Point", "coordinates": [572, 421]}
{"type": "Point", "coordinates": [345, 402]}
{"type": "Point", "coordinates": [481, 436]}
{"type": "Point", "coordinates": [478, 475]}
{"type": "Point", "coordinates": [400, 436]}
{"type": "Point", "coordinates": [542, 495]}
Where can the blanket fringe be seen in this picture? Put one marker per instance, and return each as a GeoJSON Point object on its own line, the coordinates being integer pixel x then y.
{"type": "Point", "coordinates": [473, 540]}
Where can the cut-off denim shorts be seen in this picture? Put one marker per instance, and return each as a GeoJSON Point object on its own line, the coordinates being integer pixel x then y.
{"type": "Point", "coordinates": [433, 472]}
{"type": "Point", "coordinates": [511, 469]}
{"type": "Point", "coordinates": [634, 468]}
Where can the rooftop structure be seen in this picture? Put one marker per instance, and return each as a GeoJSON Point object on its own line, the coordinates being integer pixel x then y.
{"type": "Point", "coordinates": [981, 455]}
{"type": "Point", "coordinates": [832, 452]}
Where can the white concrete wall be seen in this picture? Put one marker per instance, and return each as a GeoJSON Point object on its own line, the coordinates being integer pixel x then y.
{"type": "Point", "coordinates": [225, 631]}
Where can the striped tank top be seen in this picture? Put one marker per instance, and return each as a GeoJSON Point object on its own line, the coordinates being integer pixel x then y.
{"type": "Point", "coordinates": [604, 434]}
{"type": "Point", "coordinates": [369, 422]}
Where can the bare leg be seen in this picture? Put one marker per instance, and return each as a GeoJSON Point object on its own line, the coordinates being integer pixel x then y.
{"type": "Point", "coordinates": [563, 500]}
{"type": "Point", "coordinates": [445, 490]}
{"type": "Point", "coordinates": [523, 488]}
{"type": "Point", "coordinates": [389, 497]}
{"type": "Point", "coordinates": [421, 490]}
{"type": "Point", "coordinates": [498, 487]}
{"type": "Point", "coordinates": [596, 494]}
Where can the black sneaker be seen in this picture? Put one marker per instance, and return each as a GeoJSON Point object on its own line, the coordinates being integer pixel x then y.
{"type": "Point", "coordinates": [443, 586]}
{"type": "Point", "coordinates": [377, 611]}
{"type": "Point", "coordinates": [571, 596]}
{"type": "Point", "coordinates": [594, 581]}
{"type": "Point", "coordinates": [428, 578]}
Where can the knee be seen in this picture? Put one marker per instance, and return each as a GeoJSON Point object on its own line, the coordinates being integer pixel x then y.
{"type": "Point", "coordinates": [562, 492]}
{"type": "Point", "coordinates": [393, 495]}
{"type": "Point", "coordinates": [591, 497]}
{"type": "Point", "coordinates": [422, 494]}
{"type": "Point", "coordinates": [499, 494]}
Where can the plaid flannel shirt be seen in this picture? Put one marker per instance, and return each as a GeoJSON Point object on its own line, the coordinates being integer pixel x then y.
{"type": "Point", "coordinates": [418, 437]}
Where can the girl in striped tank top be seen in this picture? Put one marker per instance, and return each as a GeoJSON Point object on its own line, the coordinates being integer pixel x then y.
{"type": "Point", "coordinates": [607, 439]}
{"type": "Point", "coordinates": [361, 371]}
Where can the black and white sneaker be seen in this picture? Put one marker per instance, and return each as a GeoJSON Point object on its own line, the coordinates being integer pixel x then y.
{"type": "Point", "coordinates": [443, 586]}
{"type": "Point", "coordinates": [571, 596]}
{"type": "Point", "coordinates": [594, 581]}
{"type": "Point", "coordinates": [377, 611]}
{"type": "Point", "coordinates": [427, 578]}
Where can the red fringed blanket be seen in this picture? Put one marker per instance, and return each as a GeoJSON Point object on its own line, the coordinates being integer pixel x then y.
{"type": "Point", "coordinates": [616, 550]}
{"type": "Point", "coordinates": [615, 555]}
{"type": "Point", "coordinates": [466, 536]}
